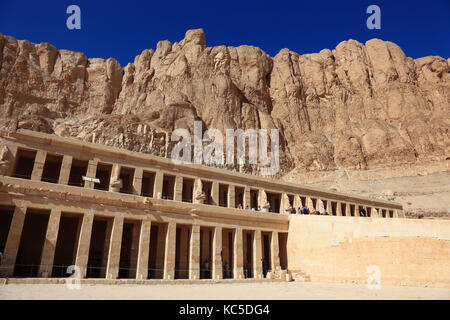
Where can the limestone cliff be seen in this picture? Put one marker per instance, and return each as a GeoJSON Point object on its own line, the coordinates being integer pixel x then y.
{"type": "Point", "coordinates": [357, 107]}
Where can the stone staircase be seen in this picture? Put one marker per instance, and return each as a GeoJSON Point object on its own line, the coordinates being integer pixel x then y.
{"type": "Point", "coordinates": [300, 276]}
{"type": "Point", "coordinates": [288, 275]}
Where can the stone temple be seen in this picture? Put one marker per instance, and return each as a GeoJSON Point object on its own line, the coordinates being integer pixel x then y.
{"type": "Point", "coordinates": [117, 214]}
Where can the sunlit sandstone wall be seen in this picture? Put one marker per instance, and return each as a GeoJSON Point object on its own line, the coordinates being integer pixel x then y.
{"type": "Point", "coordinates": [340, 249]}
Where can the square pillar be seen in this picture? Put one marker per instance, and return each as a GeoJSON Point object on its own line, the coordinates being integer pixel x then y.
{"type": "Point", "coordinates": [178, 196]}
{"type": "Point", "coordinates": [169, 257]}
{"type": "Point", "coordinates": [215, 192]}
{"type": "Point", "coordinates": [275, 252]}
{"type": "Point", "coordinates": [13, 241]}
{"type": "Point", "coordinates": [48, 251]}
{"type": "Point", "coordinates": [257, 255]}
{"type": "Point", "coordinates": [347, 210]}
{"type": "Point", "coordinates": [320, 205]}
{"type": "Point", "coordinates": [197, 191]}
{"type": "Point", "coordinates": [355, 210]}
{"type": "Point", "coordinates": [65, 170]}
{"type": "Point", "coordinates": [338, 209]}
{"type": "Point", "coordinates": [374, 212]}
{"type": "Point", "coordinates": [310, 204]}
{"type": "Point", "coordinates": [144, 247]}
{"type": "Point", "coordinates": [329, 208]}
{"type": "Point", "coordinates": [231, 197]}
{"type": "Point", "coordinates": [112, 269]}
{"type": "Point", "coordinates": [157, 191]}
{"type": "Point", "coordinates": [8, 170]}
{"type": "Point", "coordinates": [285, 204]}
{"type": "Point", "coordinates": [297, 202]}
{"type": "Point", "coordinates": [38, 167]}
{"type": "Point", "coordinates": [194, 253]}
{"type": "Point", "coordinates": [238, 259]}
{"type": "Point", "coordinates": [91, 173]}
{"type": "Point", "coordinates": [115, 176]}
{"type": "Point", "coordinates": [84, 243]}
{"type": "Point", "coordinates": [137, 181]}
{"type": "Point", "coordinates": [217, 273]}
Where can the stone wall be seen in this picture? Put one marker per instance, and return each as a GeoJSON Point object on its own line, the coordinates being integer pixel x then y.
{"type": "Point", "coordinates": [347, 249]}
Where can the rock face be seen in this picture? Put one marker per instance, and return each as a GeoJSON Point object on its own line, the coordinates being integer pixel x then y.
{"type": "Point", "coordinates": [355, 107]}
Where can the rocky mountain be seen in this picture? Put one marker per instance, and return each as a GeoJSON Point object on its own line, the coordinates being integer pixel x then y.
{"type": "Point", "coordinates": [355, 108]}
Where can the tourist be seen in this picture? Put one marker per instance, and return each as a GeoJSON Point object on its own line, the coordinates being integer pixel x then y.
{"type": "Point", "coordinates": [299, 210]}
{"type": "Point", "coordinates": [305, 210]}
{"type": "Point", "coordinates": [246, 207]}
{"type": "Point", "coordinates": [259, 208]}
{"type": "Point", "coordinates": [264, 267]}
{"type": "Point", "coordinates": [207, 268]}
{"type": "Point", "coordinates": [239, 206]}
{"type": "Point", "coordinates": [363, 212]}
{"type": "Point", "coordinates": [1, 258]}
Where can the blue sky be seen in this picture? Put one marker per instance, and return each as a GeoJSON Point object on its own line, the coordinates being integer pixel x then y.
{"type": "Point", "coordinates": [122, 29]}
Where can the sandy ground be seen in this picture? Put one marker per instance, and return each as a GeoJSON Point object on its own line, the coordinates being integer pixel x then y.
{"type": "Point", "coordinates": [222, 291]}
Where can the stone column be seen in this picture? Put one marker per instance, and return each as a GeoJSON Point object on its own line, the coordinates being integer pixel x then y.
{"type": "Point", "coordinates": [215, 192]}
{"type": "Point", "coordinates": [262, 199]}
{"type": "Point", "coordinates": [48, 250]}
{"type": "Point", "coordinates": [238, 259]}
{"type": "Point", "coordinates": [198, 190]}
{"type": "Point", "coordinates": [178, 196]}
{"type": "Point", "coordinates": [13, 241]}
{"type": "Point", "coordinates": [231, 196]}
{"type": "Point", "coordinates": [320, 205]}
{"type": "Point", "coordinates": [169, 257]}
{"type": "Point", "coordinates": [275, 252]}
{"type": "Point", "coordinates": [91, 173]}
{"type": "Point", "coordinates": [285, 204]}
{"type": "Point", "coordinates": [194, 253]}
{"type": "Point", "coordinates": [157, 191]}
{"type": "Point", "coordinates": [247, 200]}
{"type": "Point", "coordinates": [217, 272]}
{"type": "Point", "coordinates": [115, 175]}
{"type": "Point", "coordinates": [144, 248]}
{"type": "Point", "coordinates": [330, 208]}
{"type": "Point", "coordinates": [297, 202]}
{"type": "Point", "coordinates": [84, 243]}
{"type": "Point", "coordinates": [38, 167]}
{"type": "Point", "coordinates": [65, 170]}
{"type": "Point", "coordinates": [137, 181]}
{"type": "Point", "coordinates": [257, 255]}
{"type": "Point", "coordinates": [339, 209]}
{"type": "Point", "coordinates": [347, 210]}
{"type": "Point", "coordinates": [355, 210]}
{"type": "Point", "coordinates": [310, 204]}
{"type": "Point", "coordinates": [11, 159]}
{"type": "Point", "coordinates": [112, 269]}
